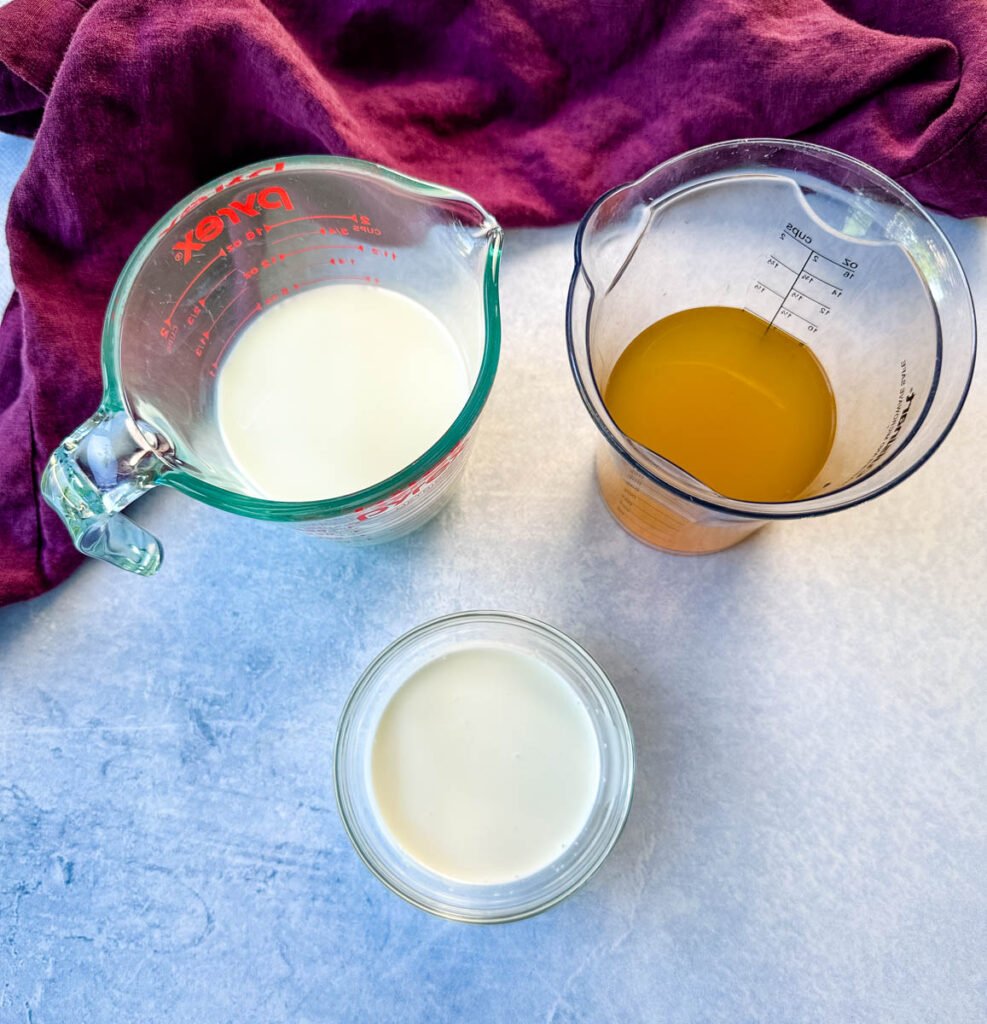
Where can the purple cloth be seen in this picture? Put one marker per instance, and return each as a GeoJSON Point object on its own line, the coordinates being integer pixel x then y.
{"type": "Point", "coordinates": [532, 106]}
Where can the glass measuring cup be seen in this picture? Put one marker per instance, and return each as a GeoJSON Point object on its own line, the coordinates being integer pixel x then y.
{"type": "Point", "coordinates": [812, 241]}
{"type": "Point", "coordinates": [203, 273]}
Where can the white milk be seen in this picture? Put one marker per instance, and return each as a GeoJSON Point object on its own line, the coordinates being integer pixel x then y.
{"type": "Point", "coordinates": [336, 389]}
{"type": "Point", "coordinates": [485, 765]}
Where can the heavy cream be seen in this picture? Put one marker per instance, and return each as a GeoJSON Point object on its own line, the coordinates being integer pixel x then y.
{"type": "Point", "coordinates": [336, 389]}
{"type": "Point", "coordinates": [485, 765]}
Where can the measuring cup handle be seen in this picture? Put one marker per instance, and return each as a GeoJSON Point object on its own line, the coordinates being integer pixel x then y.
{"type": "Point", "coordinates": [95, 472]}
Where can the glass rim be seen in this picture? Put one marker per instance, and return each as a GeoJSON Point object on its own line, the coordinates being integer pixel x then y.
{"type": "Point", "coordinates": [601, 686]}
{"type": "Point", "coordinates": [114, 393]}
{"type": "Point", "coordinates": [802, 508]}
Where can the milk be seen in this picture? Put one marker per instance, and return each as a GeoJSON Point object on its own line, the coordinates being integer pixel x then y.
{"type": "Point", "coordinates": [336, 389]}
{"type": "Point", "coordinates": [484, 765]}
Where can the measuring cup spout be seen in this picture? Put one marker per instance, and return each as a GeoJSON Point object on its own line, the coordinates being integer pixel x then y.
{"type": "Point", "coordinates": [98, 470]}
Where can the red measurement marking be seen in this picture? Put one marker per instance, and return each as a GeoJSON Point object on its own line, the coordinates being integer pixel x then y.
{"type": "Point", "coordinates": [369, 511]}
{"type": "Point", "coordinates": [298, 285]}
{"type": "Point", "coordinates": [227, 306]}
{"type": "Point", "coordinates": [312, 248]}
{"type": "Point", "coordinates": [365, 278]}
{"type": "Point", "coordinates": [233, 334]}
{"type": "Point", "coordinates": [192, 282]}
{"type": "Point", "coordinates": [202, 302]}
{"type": "Point", "coordinates": [299, 234]}
{"type": "Point", "coordinates": [302, 234]}
{"type": "Point", "coordinates": [318, 216]}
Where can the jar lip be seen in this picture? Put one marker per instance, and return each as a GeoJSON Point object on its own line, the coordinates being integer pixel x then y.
{"type": "Point", "coordinates": [176, 476]}
{"type": "Point", "coordinates": [849, 495]}
{"type": "Point", "coordinates": [621, 744]}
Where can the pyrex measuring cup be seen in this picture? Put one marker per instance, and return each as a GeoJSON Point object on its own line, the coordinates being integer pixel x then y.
{"type": "Point", "coordinates": [201, 275]}
{"type": "Point", "coordinates": [813, 241]}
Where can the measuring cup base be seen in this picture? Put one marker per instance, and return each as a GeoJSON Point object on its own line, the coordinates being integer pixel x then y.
{"type": "Point", "coordinates": [685, 551]}
{"type": "Point", "coordinates": [393, 523]}
{"type": "Point", "coordinates": [659, 519]}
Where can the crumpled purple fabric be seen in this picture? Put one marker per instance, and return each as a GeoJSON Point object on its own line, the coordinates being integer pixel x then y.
{"type": "Point", "coordinates": [532, 106]}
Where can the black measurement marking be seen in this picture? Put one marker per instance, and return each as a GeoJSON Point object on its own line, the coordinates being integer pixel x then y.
{"type": "Point", "coordinates": [822, 280]}
{"type": "Point", "coordinates": [846, 266]}
{"type": "Point", "coordinates": [823, 308]}
{"type": "Point", "coordinates": [764, 287]}
{"type": "Point", "coordinates": [791, 288]}
{"type": "Point", "coordinates": [791, 270]}
{"type": "Point", "coordinates": [773, 261]}
{"type": "Point", "coordinates": [791, 312]}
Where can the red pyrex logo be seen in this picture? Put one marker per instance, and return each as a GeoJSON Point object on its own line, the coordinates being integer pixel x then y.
{"type": "Point", "coordinates": [271, 198]}
{"type": "Point", "coordinates": [400, 497]}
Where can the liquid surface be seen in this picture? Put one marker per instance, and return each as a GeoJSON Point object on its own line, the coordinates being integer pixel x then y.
{"type": "Point", "coordinates": [336, 389]}
{"type": "Point", "coordinates": [485, 765]}
{"type": "Point", "coordinates": [744, 407]}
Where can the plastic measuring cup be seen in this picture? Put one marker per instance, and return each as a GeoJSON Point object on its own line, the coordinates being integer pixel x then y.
{"type": "Point", "coordinates": [201, 275]}
{"type": "Point", "coordinates": [813, 241]}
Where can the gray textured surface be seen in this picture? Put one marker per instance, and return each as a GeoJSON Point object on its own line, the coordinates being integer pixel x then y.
{"type": "Point", "coordinates": [807, 842]}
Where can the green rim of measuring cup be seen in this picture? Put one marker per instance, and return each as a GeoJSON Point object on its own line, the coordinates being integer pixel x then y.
{"type": "Point", "coordinates": [281, 511]}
